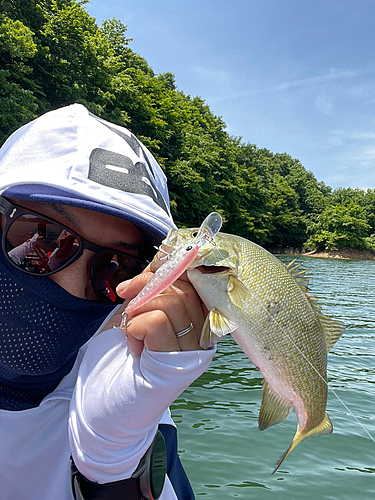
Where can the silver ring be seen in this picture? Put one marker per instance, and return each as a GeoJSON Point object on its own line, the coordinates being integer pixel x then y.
{"type": "Point", "coordinates": [184, 332]}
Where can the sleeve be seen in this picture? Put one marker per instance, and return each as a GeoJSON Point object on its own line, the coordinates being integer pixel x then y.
{"type": "Point", "coordinates": [119, 400]}
{"type": "Point", "coordinates": [17, 254]}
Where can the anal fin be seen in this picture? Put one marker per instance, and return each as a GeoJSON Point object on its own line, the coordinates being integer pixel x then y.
{"type": "Point", "coordinates": [274, 409]}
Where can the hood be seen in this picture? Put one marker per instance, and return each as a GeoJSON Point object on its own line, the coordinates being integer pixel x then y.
{"type": "Point", "coordinates": [73, 157]}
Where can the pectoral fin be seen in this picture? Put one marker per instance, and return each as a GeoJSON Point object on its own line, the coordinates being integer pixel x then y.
{"type": "Point", "coordinates": [273, 410]}
{"type": "Point", "coordinates": [215, 326]}
{"type": "Point", "coordinates": [237, 291]}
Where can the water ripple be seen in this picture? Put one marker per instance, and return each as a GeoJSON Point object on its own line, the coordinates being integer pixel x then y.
{"type": "Point", "coordinates": [225, 454]}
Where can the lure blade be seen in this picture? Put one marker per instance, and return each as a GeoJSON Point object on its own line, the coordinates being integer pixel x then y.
{"type": "Point", "coordinates": [209, 229]}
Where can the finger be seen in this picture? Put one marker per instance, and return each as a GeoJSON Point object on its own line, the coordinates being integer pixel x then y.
{"type": "Point", "coordinates": [130, 288]}
{"type": "Point", "coordinates": [152, 330]}
{"type": "Point", "coordinates": [173, 306]}
{"type": "Point", "coordinates": [195, 307]}
{"type": "Point", "coordinates": [182, 287]}
{"type": "Point", "coordinates": [187, 339]}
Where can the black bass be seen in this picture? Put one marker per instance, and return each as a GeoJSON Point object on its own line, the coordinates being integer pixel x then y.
{"type": "Point", "coordinates": [266, 308]}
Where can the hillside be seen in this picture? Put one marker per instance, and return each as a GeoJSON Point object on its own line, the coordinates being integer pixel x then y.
{"type": "Point", "coordinates": [53, 54]}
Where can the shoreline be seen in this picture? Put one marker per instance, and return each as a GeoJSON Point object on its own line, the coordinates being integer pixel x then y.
{"type": "Point", "coordinates": [342, 253]}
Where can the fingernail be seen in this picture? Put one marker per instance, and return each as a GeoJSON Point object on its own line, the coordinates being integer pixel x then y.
{"type": "Point", "coordinates": [123, 286]}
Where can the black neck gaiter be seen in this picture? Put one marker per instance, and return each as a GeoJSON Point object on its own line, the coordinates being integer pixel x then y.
{"type": "Point", "coordinates": [41, 329]}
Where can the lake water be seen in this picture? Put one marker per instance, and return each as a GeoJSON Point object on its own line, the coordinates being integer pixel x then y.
{"type": "Point", "coordinates": [224, 453]}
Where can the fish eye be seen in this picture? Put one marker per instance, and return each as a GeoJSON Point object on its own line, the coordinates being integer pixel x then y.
{"type": "Point", "coordinates": [195, 233]}
{"type": "Point", "coordinates": [188, 248]}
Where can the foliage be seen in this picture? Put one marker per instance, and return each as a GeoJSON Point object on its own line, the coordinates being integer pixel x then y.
{"type": "Point", "coordinates": [340, 226]}
{"type": "Point", "coordinates": [17, 103]}
{"type": "Point", "coordinates": [53, 53]}
{"type": "Point", "coordinates": [363, 198]}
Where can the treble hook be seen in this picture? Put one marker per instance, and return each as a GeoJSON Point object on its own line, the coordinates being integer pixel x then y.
{"type": "Point", "coordinates": [124, 325]}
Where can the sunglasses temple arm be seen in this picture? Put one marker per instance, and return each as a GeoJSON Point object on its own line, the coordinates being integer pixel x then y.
{"type": "Point", "coordinates": [6, 206]}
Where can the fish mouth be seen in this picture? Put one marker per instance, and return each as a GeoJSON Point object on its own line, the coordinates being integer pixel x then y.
{"type": "Point", "coordinates": [212, 269]}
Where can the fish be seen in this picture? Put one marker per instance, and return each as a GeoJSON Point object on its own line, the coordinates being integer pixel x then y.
{"type": "Point", "coordinates": [265, 305]}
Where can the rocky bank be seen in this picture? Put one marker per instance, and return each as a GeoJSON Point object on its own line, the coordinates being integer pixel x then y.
{"type": "Point", "coordinates": [342, 253]}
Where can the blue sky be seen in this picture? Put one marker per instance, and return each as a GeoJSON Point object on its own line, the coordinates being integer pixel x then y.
{"type": "Point", "coordinates": [294, 76]}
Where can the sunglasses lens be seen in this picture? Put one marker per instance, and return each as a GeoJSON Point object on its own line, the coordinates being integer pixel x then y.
{"type": "Point", "coordinates": [38, 245]}
{"type": "Point", "coordinates": [41, 247]}
{"type": "Point", "coordinates": [110, 269]}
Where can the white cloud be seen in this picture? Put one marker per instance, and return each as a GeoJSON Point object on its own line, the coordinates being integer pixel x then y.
{"type": "Point", "coordinates": [364, 135]}
{"type": "Point", "coordinates": [324, 102]}
{"type": "Point", "coordinates": [365, 157]}
{"type": "Point", "coordinates": [333, 75]}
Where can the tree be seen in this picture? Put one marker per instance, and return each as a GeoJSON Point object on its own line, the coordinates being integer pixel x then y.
{"type": "Point", "coordinates": [17, 102]}
{"type": "Point", "coordinates": [363, 198]}
{"type": "Point", "coordinates": [53, 53]}
{"type": "Point", "coordinates": [71, 64]}
{"type": "Point", "coordinates": [340, 226]}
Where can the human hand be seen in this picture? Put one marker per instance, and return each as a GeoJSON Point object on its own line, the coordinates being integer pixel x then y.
{"type": "Point", "coordinates": [155, 324]}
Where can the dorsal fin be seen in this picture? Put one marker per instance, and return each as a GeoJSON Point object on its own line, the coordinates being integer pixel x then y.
{"type": "Point", "coordinates": [298, 276]}
{"type": "Point", "coordinates": [332, 329]}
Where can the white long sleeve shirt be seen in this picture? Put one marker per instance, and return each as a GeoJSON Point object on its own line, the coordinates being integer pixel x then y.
{"type": "Point", "coordinates": [17, 254]}
{"type": "Point", "coordinates": [108, 407]}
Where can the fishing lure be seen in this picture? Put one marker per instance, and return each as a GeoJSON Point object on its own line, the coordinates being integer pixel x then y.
{"type": "Point", "coordinates": [175, 264]}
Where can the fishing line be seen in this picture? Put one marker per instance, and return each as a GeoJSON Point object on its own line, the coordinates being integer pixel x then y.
{"type": "Point", "coordinates": [316, 371]}
{"type": "Point", "coordinates": [304, 356]}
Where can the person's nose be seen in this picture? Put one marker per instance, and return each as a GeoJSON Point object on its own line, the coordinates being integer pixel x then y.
{"type": "Point", "coordinates": [76, 279]}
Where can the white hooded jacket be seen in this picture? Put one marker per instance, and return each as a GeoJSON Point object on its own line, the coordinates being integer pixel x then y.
{"type": "Point", "coordinates": [105, 412]}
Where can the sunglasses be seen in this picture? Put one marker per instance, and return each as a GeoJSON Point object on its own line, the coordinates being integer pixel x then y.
{"type": "Point", "coordinates": [38, 245]}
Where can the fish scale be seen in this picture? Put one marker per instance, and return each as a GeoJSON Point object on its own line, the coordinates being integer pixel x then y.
{"type": "Point", "coordinates": [263, 304]}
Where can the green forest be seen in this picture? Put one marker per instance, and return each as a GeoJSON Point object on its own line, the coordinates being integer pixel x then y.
{"type": "Point", "coordinates": [53, 53]}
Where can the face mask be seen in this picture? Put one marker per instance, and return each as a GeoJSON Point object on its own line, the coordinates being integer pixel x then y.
{"type": "Point", "coordinates": [41, 329]}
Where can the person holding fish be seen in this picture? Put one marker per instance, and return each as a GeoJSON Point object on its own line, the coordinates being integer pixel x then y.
{"type": "Point", "coordinates": [83, 407]}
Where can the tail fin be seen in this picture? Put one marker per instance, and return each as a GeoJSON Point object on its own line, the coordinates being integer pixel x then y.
{"type": "Point", "coordinates": [324, 428]}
